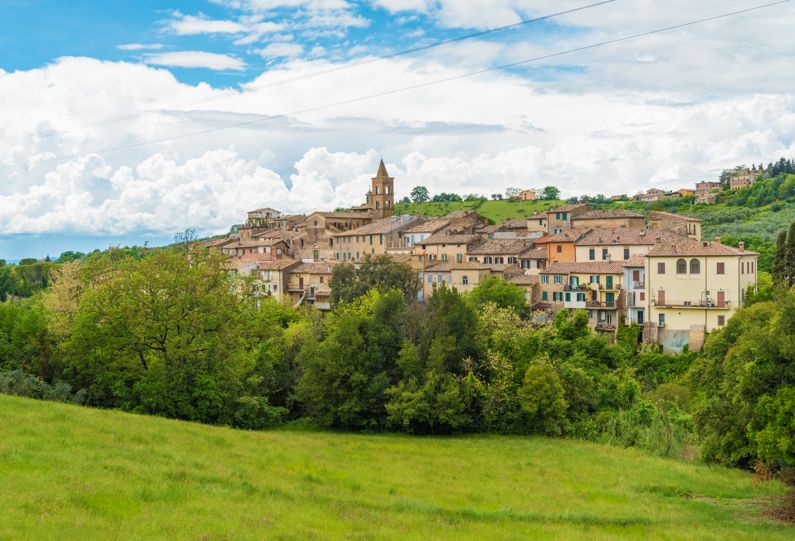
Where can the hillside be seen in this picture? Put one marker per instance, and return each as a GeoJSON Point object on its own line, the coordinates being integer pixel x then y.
{"type": "Point", "coordinates": [85, 474]}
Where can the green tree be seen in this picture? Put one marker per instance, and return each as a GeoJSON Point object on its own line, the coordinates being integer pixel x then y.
{"type": "Point", "coordinates": [419, 194]}
{"type": "Point", "coordinates": [789, 256]}
{"type": "Point", "coordinates": [542, 399]}
{"type": "Point", "coordinates": [381, 273]}
{"type": "Point", "coordinates": [8, 282]}
{"type": "Point", "coordinates": [779, 270]}
{"type": "Point", "coordinates": [550, 193]}
{"type": "Point", "coordinates": [345, 377]}
{"type": "Point", "coordinates": [499, 291]}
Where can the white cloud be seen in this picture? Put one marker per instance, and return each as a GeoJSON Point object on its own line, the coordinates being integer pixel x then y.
{"type": "Point", "coordinates": [189, 25]}
{"type": "Point", "coordinates": [139, 46]}
{"type": "Point", "coordinates": [196, 59]}
{"type": "Point", "coordinates": [280, 50]}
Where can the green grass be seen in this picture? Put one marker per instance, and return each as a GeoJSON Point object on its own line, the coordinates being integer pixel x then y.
{"type": "Point", "coordinates": [68, 472]}
{"type": "Point", "coordinates": [497, 211]}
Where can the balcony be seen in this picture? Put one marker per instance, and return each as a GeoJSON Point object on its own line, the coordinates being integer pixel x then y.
{"type": "Point", "coordinates": [575, 305]}
{"type": "Point", "coordinates": [638, 285]}
{"type": "Point", "coordinates": [696, 305]}
{"type": "Point", "coordinates": [604, 326]}
{"type": "Point", "coordinates": [602, 304]}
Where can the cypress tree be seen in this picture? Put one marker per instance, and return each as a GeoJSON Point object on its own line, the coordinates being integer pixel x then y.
{"type": "Point", "coordinates": [789, 256]}
{"type": "Point", "coordinates": [779, 270]}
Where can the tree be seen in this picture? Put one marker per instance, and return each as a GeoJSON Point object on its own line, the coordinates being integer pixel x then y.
{"type": "Point", "coordinates": [499, 291]}
{"type": "Point", "coordinates": [420, 194]}
{"type": "Point", "coordinates": [779, 270]}
{"type": "Point", "coordinates": [8, 282]}
{"type": "Point", "coordinates": [789, 256]}
{"type": "Point", "coordinates": [550, 193]}
{"type": "Point", "coordinates": [381, 273]}
{"type": "Point", "coordinates": [542, 399]}
{"type": "Point", "coordinates": [512, 192]}
{"type": "Point", "coordinates": [345, 377]}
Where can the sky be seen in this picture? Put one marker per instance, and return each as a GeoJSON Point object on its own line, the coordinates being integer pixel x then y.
{"type": "Point", "coordinates": [126, 122]}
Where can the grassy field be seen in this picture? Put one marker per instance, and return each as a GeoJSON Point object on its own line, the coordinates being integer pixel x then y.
{"type": "Point", "coordinates": [498, 211]}
{"type": "Point", "coordinates": [76, 473]}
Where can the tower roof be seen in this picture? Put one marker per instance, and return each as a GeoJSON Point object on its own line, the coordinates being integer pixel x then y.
{"type": "Point", "coordinates": [382, 170]}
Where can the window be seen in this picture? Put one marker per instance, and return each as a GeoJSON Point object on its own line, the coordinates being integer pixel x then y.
{"type": "Point", "coordinates": [459, 258]}
{"type": "Point", "coordinates": [430, 278]}
{"type": "Point", "coordinates": [440, 278]}
{"type": "Point", "coordinates": [661, 320]}
{"type": "Point", "coordinates": [559, 249]}
{"type": "Point", "coordinates": [444, 257]}
{"type": "Point", "coordinates": [661, 268]}
{"type": "Point", "coordinates": [695, 266]}
{"type": "Point", "coordinates": [465, 280]}
{"type": "Point", "coordinates": [721, 321]}
{"type": "Point", "coordinates": [681, 266]}
{"type": "Point", "coordinates": [558, 278]}
{"type": "Point", "coordinates": [498, 260]}
{"type": "Point", "coordinates": [721, 268]}
{"type": "Point", "coordinates": [545, 279]}
{"type": "Point", "coordinates": [636, 276]}
{"type": "Point", "coordinates": [565, 216]}
{"type": "Point", "coordinates": [592, 254]}
{"type": "Point", "coordinates": [626, 253]}
{"type": "Point", "coordinates": [568, 296]}
{"type": "Point", "coordinates": [604, 254]}
{"type": "Point", "coordinates": [487, 260]}
{"type": "Point", "coordinates": [544, 296]}
{"type": "Point", "coordinates": [642, 295]}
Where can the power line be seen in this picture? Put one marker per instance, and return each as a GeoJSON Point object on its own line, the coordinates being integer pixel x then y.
{"type": "Point", "coordinates": [402, 89]}
{"type": "Point", "coordinates": [362, 62]}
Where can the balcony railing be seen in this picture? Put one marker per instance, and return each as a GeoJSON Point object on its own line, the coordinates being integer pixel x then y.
{"type": "Point", "coordinates": [700, 305]}
{"type": "Point", "coordinates": [602, 304]}
{"type": "Point", "coordinates": [638, 285]}
{"type": "Point", "coordinates": [605, 327]}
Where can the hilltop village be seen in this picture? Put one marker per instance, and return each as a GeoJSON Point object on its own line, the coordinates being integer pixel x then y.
{"type": "Point", "coordinates": [622, 267]}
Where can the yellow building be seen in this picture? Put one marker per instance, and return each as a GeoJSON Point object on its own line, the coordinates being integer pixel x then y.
{"type": "Point", "coordinates": [443, 246]}
{"type": "Point", "coordinates": [271, 277]}
{"type": "Point", "coordinates": [462, 276]}
{"type": "Point", "coordinates": [372, 239]}
{"type": "Point", "coordinates": [498, 251]}
{"type": "Point", "coordinates": [308, 283]}
{"type": "Point", "coordinates": [537, 222]}
{"type": "Point", "coordinates": [693, 288]}
{"type": "Point", "coordinates": [527, 195]}
{"type": "Point", "coordinates": [593, 286]}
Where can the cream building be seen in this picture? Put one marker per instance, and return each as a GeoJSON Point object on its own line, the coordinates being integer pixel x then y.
{"type": "Point", "coordinates": [607, 219]}
{"type": "Point", "coordinates": [679, 223]}
{"type": "Point", "coordinates": [372, 239]}
{"type": "Point", "coordinates": [693, 288]}
{"type": "Point", "coordinates": [443, 246]}
{"type": "Point", "coordinates": [620, 244]}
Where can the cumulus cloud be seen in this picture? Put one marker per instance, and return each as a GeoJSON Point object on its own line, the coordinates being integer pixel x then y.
{"type": "Point", "coordinates": [477, 135]}
{"type": "Point", "coordinates": [196, 59]}
{"type": "Point", "coordinates": [139, 46]}
{"type": "Point", "coordinates": [280, 50]}
{"type": "Point", "coordinates": [189, 25]}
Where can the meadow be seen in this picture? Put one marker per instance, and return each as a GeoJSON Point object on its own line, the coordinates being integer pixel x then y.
{"type": "Point", "coordinates": [70, 472]}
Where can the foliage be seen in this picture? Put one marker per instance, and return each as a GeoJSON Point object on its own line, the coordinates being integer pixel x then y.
{"type": "Point", "coordinates": [381, 273]}
{"type": "Point", "coordinates": [550, 193]}
{"type": "Point", "coordinates": [419, 194]}
{"type": "Point", "coordinates": [499, 291]}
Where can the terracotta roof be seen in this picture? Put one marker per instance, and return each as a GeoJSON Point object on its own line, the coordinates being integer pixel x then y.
{"type": "Point", "coordinates": [316, 267]}
{"type": "Point", "coordinates": [524, 279]}
{"type": "Point", "coordinates": [382, 171]}
{"type": "Point", "coordinates": [344, 215]}
{"type": "Point", "coordinates": [431, 226]}
{"type": "Point", "coordinates": [255, 243]}
{"type": "Point", "coordinates": [636, 260]}
{"type": "Point", "coordinates": [624, 236]}
{"type": "Point", "coordinates": [443, 237]}
{"type": "Point", "coordinates": [568, 208]}
{"type": "Point", "coordinates": [387, 225]}
{"type": "Point", "coordinates": [211, 243]}
{"type": "Point", "coordinates": [500, 246]}
{"type": "Point", "coordinates": [512, 270]}
{"type": "Point", "coordinates": [603, 214]}
{"type": "Point", "coordinates": [660, 215]}
{"type": "Point", "coordinates": [442, 266]}
{"type": "Point", "coordinates": [470, 265]}
{"type": "Point", "coordinates": [263, 209]}
{"type": "Point", "coordinates": [586, 267]}
{"type": "Point", "coordinates": [277, 264]}
{"type": "Point", "coordinates": [569, 235]}
{"type": "Point", "coordinates": [515, 224]}
{"type": "Point", "coordinates": [534, 252]}
{"type": "Point", "coordinates": [697, 248]}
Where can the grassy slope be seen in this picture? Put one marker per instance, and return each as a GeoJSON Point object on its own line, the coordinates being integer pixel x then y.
{"type": "Point", "coordinates": [75, 473]}
{"type": "Point", "coordinates": [497, 211]}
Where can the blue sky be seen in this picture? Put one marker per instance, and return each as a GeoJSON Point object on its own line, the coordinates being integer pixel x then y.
{"type": "Point", "coordinates": [617, 119]}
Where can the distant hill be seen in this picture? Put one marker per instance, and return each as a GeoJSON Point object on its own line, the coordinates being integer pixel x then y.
{"type": "Point", "coordinates": [74, 473]}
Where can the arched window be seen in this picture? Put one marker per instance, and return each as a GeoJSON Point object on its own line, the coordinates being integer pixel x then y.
{"type": "Point", "coordinates": [377, 190]}
{"type": "Point", "coordinates": [681, 266]}
{"type": "Point", "coordinates": [465, 280]}
{"type": "Point", "coordinates": [695, 266]}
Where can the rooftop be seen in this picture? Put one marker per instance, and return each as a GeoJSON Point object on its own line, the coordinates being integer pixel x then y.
{"type": "Point", "coordinates": [605, 214]}
{"type": "Point", "coordinates": [500, 246]}
{"type": "Point", "coordinates": [661, 215]}
{"type": "Point", "coordinates": [443, 237]}
{"type": "Point", "coordinates": [383, 226]}
{"type": "Point", "coordinates": [636, 260]}
{"type": "Point", "coordinates": [627, 236]}
{"type": "Point", "coordinates": [568, 208]}
{"type": "Point", "coordinates": [277, 264]}
{"type": "Point", "coordinates": [586, 267]}
{"type": "Point", "coordinates": [697, 248]}
{"type": "Point", "coordinates": [316, 267]}
{"type": "Point", "coordinates": [431, 226]}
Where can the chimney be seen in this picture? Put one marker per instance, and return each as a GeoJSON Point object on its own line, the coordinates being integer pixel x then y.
{"type": "Point", "coordinates": [741, 245]}
{"type": "Point", "coordinates": [717, 239]}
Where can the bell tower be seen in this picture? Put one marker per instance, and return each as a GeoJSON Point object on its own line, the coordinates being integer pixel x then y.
{"type": "Point", "coordinates": [381, 198]}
